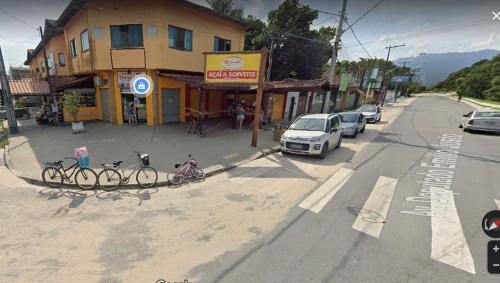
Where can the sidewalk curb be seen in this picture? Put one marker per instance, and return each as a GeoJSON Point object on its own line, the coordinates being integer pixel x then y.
{"type": "Point", "coordinates": [470, 102]}
{"type": "Point", "coordinates": [208, 172]}
{"type": "Point", "coordinates": [480, 103]}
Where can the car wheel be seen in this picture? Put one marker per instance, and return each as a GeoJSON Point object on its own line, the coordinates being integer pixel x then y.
{"type": "Point", "coordinates": [363, 130]}
{"type": "Point", "coordinates": [465, 130]}
{"type": "Point", "coordinates": [339, 143]}
{"type": "Point", "coordinates": [324, 151]}
{"type": "Point", "coordinates": [355, 134]}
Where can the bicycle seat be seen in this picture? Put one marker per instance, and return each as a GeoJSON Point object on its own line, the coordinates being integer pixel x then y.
{"type": "Point", "coordinates": [54, 163]}
{"type": "Point", "coordinates": [117, 163]}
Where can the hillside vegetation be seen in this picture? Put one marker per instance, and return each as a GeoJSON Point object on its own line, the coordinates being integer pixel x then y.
{"type": "Point", "coordinates": [481, 80]}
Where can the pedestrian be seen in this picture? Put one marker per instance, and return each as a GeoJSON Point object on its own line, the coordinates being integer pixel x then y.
{"type": "Point", "coordinates": [240, 114]}
{"type": "Point", "coordinates": [130, 114]}
{"type": "Point", "coordinates": [459, 97]}
{"type": "Point", "coordinates": [261, 119]}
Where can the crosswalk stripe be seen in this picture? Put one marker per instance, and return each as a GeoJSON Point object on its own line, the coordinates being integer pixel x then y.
{"type": "Point", "coordinates": [497, 202]}
{"type": "Point", "coordinates": [449, 245]}
{"type": "Point", "coordinates": [377, 205]}
{"type": "Point", "coordinates": [317, 200]}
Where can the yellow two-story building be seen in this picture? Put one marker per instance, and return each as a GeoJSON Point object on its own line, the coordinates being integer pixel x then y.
{"type": "Point", "coordinates": [112, 41]}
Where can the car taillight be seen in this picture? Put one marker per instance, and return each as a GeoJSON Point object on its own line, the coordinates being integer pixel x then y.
{"type": "Point", "coordinates": [471, 122]}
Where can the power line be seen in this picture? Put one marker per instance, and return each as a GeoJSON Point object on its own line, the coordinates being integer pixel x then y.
{"type": "Point", "coordinates": [357, 39]}
{"type": "Point", "coordinates": [366, 13]}
{"type": "Point", "coordinates": [17, 18]}
{"type": "Point", "coordinates": [322, 22]}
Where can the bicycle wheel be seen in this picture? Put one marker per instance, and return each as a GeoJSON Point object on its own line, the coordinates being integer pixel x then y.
{"type": "Point", "coordinates": [52, 177]}
{"type": "Point", "coordinates": [86, 179]}
{"type": "Point", "coordinates": [109, 179]}
{"type": "Point", "coordinates": [202, 130]}
{"type": "Point", "coordinates": [146, 177]}
{"type": "Point", "coordinates": [173, 178]}
{"type": "Point", "coordinates": [197, 173]}
{"type": "Point", "coordinates": [190, 128]}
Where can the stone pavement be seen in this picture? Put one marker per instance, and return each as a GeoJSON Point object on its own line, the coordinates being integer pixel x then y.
{"type": "Point", "coordinates": [221, 149]}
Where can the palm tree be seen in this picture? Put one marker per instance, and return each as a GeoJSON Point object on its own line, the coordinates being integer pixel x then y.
{"type": "Point", "coordinates": [226, 7]}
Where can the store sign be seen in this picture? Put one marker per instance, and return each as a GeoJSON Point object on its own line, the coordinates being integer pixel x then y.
{"type": "Point", "coordinates": [232, 67]}
{"type": "Point", "coordinates": [125, 78]}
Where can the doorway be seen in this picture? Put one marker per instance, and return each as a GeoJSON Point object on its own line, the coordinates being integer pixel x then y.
{"type": "Point", "coordinates": [290, 111]}
{"type": "Point", "coordinates": [171, 105]}
{"type": "Point", "coordinates": [139, 104]}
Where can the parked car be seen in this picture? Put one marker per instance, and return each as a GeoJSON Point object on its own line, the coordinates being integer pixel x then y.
{"type": "Point", "coordinates": [484, 120]}
{"type": "Point", "coordinates": [352, 123]}
{"type": "Point", "coordinates": [372, 113]}
{"type": "Point", "coordinates": [313, 134]}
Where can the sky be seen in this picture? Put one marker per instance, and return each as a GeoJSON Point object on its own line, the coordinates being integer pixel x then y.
{"type": "Point", "coordinates": [424, 26]}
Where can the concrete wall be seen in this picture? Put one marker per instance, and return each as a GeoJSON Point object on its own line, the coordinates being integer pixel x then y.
{"type": "Point", "coordinates": [155, 19]}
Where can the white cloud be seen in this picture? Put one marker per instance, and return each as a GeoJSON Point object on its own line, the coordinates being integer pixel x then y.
{"type": "Point", "coordinates": [487, 43]}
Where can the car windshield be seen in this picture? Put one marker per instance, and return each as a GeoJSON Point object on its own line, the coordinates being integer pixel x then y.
{"type": "Point", "coordinates": [348, 118]}
{"type": "Point", "coordinates": [308, 124]}
{"type": "Point", "coordinates": [492, 114]}
{"type": "Point", "coordinates": [367, 108]}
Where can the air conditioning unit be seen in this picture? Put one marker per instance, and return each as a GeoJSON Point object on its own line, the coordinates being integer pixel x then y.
{"type": "Point", "coordinates": [98, 81]}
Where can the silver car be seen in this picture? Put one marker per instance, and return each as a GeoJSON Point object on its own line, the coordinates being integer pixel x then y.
{"type": "Point", "coordinates": [482, 120]}
{"type": "Point", "coordinates": [352, 123]}
{"type": "Point", "coordinates": [372, 113]}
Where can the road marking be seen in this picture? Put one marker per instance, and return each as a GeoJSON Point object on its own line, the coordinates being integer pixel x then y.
{"type": "Point", "coordinates": [448, 240]}
{"type": "Point", "coordinates": [317, 200]}
{"type": "Point", "coordinates": [378, 204]}
{"type": "Point", "coordinates": [229, 156]}
{"type": "Point", "coordinates": [497, 203]}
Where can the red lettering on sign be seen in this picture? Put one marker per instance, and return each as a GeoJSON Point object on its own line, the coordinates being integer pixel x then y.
{"type": "Point", "coordinates": [231, 75]}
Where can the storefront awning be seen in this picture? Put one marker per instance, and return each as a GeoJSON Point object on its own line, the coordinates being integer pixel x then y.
{"type": "Point", "coordinates": [60, 83]}
{"type": "Point", "coordinates": [284, 85]}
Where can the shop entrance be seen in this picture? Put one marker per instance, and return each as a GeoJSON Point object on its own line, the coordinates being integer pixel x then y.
{"type": "Point", "coordinates": [171, 104]}
{"type": "Point", "coordinates": [139, 107]}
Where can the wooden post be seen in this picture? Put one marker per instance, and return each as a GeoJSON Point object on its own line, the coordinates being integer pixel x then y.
{"type": "Point", "coordinates": [258, 99]}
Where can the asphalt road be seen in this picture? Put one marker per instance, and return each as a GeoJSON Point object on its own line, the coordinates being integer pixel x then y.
{"type": "Point", "coordinates": [377, 223]}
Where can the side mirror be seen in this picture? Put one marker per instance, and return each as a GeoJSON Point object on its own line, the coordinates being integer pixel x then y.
{"type": "Point", "coordinates": [333, 130]}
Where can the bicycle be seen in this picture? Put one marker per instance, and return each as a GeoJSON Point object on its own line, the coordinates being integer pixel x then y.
{"type": "Point", "coordinates": [113, 175]}
{"type": "Point", "coordinates": [54, 174]}
{"type": "Point", "coordinates": [195, 126]}
{"type": "Point", "coordinates": [188, 169]}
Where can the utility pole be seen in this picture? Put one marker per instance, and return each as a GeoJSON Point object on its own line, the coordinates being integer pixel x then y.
{"type": "Point", "coordinates": [47, 68]}
{"type": "Point", "coordinates": [9, 106]}
{"type": "Point", "coordinates": [396, 87]}
{"type": "Point", "coordinates": [331, 72]}
{"type": "Point", "coordinates": [270, 60]}
{"type": "Point", "coordinates": [384, 89]}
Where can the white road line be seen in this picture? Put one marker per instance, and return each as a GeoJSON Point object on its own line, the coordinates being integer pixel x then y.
{"type": "Point", "coordinates": [448, 241]}
{"type": "Point", "coordinates": [377, 206]}
{"type": "Point", "coordinates": [317, 200]}
{"type": "Point", "coordinates": [497, 202]}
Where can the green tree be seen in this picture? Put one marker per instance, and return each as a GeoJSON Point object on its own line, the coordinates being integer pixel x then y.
{"type": "Point", "coordinates": [72, 104]}
{"type": "Point", "coordinates": [226, 7]}
{"type": "Point", "coordinates": [298, 51]}
{"type": "Point", "coordinates": [255, 38]}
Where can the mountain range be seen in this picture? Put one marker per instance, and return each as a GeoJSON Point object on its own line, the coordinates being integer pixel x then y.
{"type": "Point", "coordinates": [435, 67]}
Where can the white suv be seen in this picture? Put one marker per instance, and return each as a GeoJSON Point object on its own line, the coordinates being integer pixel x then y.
{"type": "Point", "coordinates": [313, 134]}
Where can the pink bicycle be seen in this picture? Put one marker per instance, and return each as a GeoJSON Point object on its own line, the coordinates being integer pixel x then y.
{"type": "Point", "coordinates": [187, 170]}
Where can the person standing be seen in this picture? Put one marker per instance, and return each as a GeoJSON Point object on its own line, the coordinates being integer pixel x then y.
{"type": "Point", "coordinates": [240, 114]}
{"type": "Point", "coordinates": [130, 114]}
